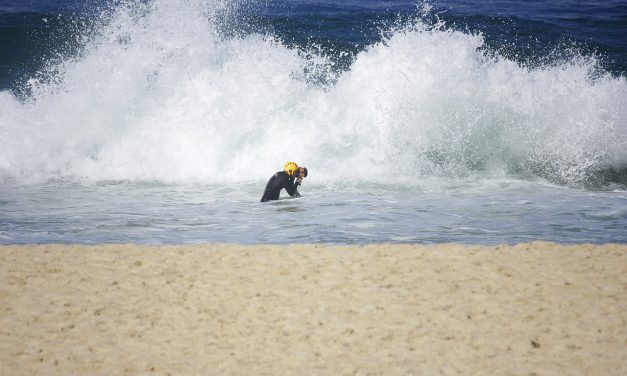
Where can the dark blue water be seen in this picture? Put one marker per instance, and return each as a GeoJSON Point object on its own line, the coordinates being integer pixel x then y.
{"type": "Point", "coordinates": [531, 32]}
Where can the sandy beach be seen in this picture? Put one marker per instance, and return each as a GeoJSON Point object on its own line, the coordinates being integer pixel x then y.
{"type": "Point", "coordinates": [536, 308]}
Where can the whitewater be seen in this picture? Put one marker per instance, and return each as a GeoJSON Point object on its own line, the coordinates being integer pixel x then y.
{"type": "Point", "coordinates": [166, 124]}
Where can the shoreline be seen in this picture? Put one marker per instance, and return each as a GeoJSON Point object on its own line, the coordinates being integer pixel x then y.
{"type": "Point", "coordinates": [539, 307]}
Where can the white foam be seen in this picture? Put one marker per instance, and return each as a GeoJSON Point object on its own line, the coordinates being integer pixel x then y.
{"type": "Point", "coordinates": [159, 95]}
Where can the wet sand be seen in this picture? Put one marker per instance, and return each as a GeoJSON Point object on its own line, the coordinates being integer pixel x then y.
{"type": "Point", "coordinates": [536, 308]}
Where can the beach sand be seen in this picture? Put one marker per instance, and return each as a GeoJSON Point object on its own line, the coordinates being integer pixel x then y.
{"type": "Point", "coordinates": [536, 308]}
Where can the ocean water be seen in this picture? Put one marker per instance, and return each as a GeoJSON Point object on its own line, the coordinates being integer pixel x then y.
{"type": "Point", "coordinates": [452, 121]}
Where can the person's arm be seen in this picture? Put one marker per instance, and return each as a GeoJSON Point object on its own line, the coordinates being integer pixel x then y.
{"type": "Point", "coordinates": [297, 184]}
{"type": "Point", "coordinates": [291, 187]}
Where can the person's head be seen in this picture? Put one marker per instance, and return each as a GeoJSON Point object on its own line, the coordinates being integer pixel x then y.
{"type": "Point", "coordinates": [290, 168]}
{"type": "Point", "coordinates": [301, 172]}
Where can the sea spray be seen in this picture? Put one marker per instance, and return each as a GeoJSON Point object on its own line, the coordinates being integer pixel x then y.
{"type": "Point", "coordinates": [161, 92]}
{"type": "Point", "coordinates": [439, 105]}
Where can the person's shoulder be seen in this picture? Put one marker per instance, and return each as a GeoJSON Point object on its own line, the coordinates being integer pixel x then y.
{"type": "Point", "coordinates": [279, 175]}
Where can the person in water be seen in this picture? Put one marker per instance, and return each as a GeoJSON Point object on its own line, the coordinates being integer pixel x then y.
{"type": "Point", "coordinates": [290, 178]}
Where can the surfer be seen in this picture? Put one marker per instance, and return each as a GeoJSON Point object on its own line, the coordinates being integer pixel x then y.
{"type": "Point", "coordinates": [290, 178]}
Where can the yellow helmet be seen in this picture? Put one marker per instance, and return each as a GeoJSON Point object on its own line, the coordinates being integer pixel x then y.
{"type": "Point", "coordinates": [290, 168]}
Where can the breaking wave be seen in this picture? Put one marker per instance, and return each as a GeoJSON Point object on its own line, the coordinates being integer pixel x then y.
{"type": "Point", "coordinates": [159, 92]}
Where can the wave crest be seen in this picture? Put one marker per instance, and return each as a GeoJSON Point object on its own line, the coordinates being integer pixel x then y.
{"type": "Point", "coordinates": [160, 93]}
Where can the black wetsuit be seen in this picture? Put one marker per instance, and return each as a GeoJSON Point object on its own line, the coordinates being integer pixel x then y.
{"type": "Point", "coordinates": [277, 182]}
